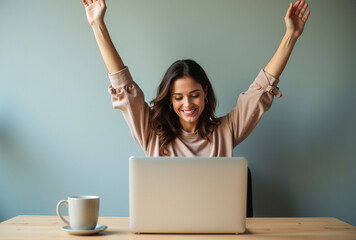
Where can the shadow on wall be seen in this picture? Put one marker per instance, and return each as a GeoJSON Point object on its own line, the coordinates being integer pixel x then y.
{"type": "Point", "coordinates": [302, 174]}
{"type": "Point", "coordinates": [19, 175]}
{"type": "Point", "coordinates": [271, 199]}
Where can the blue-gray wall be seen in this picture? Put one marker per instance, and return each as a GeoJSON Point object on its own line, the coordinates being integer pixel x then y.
{"type": "Point", "coordinates": [60, 136]}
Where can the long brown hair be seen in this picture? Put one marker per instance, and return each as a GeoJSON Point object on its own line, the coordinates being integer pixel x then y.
{"type": "Point", "coordinates": [165, 122]}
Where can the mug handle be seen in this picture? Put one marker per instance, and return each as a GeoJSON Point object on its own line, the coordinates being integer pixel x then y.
{"type": "Point", "coordinates": [59, 211]}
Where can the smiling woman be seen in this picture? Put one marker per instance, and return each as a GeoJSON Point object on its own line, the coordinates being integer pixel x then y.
{"type": "Point", "coordinates": [186, 89]}
{"type": "Point", "coordinates": [188, 102]}
{"type": "Point", "coordinates": [182, 120]}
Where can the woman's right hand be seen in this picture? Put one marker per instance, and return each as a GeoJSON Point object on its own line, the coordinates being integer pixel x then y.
{"type": "Point", "coordinates": [95, 10]}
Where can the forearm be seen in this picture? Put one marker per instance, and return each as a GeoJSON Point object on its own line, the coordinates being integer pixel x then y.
{"type": "Point", "coordinates": [279, 60]}
{"type": "Point", "coordinates": [108, 51]}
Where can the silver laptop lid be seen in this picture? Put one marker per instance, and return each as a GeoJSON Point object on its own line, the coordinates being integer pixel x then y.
{"type": "Point", "coordinates": [188, 195]}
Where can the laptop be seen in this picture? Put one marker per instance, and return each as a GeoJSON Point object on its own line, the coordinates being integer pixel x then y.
{"type": "Point", "coordinates": [188, 194]}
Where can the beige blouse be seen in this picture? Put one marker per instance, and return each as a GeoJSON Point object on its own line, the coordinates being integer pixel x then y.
{"type": "Point", "coordinates": [234, 128]}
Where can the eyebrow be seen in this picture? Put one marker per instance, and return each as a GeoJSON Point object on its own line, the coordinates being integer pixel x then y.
{"type": "Point", "coordinates": [196, 90]}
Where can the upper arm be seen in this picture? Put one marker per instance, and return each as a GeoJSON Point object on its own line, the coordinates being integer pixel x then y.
{"type": "Point", "coordinates": [251, 105]}
{"type": "Point", "coordinates": [127, 96]}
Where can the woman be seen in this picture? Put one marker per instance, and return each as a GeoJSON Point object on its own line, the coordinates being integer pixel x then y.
{"type": "Point", "coordinates": [182, 120]}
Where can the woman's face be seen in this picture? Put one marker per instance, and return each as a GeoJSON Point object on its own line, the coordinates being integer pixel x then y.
{"type": "Point", "coordinates": [187, 97]}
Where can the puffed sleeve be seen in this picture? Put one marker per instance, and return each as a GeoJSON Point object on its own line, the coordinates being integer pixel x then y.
{"type": "Point", "coordinates": [251, 105]}
{"type": "Point", "coordinates": [127, 96]}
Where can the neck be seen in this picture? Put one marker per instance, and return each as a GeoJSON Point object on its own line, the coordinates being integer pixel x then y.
{"type": "Point", "coordinates": [191, 128]}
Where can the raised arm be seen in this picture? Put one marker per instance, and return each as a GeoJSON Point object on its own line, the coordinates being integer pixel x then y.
{"type": "Point", "coordinates": [95, 11]}
{"type": "Point", "coordinates": [295, 21]}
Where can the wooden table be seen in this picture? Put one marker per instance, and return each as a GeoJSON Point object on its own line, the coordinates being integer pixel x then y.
{"type": "Point", "coordinates": [48, 227]}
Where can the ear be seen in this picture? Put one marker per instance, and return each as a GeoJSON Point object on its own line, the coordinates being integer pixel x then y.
{"type": "Point", "coordinates": [206, 91]}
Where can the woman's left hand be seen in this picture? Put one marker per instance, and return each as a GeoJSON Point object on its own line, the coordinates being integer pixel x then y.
{"type": "Point", "coordinates": [295, 18]}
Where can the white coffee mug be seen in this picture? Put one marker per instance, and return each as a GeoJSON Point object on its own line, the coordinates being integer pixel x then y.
{"type": "Point", "coordinates": [83, 212]}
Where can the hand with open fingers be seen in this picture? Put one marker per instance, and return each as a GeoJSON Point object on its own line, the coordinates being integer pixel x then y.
{"type": "Point", "coordinates": [296, 18]}
{"type": "Point", "coordinates": [95, 10]}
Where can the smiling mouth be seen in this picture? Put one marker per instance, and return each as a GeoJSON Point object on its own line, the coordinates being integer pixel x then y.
{"type": "Point", "coordinates": [189, 112]}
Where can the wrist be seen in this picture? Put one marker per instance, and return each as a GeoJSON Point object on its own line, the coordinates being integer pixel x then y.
{"type": "Point", "coordinates": [290, 38]}
{"type": "Point", "coordinates": [290, 34]}
{"type": "Point", "coordinates": [97, 23]}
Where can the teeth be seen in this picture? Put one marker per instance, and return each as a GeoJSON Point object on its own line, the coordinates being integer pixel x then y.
{"type": "Point", "coordinates": [188, 111]}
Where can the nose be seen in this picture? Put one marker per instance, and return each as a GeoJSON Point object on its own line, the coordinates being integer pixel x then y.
{"type": "Point", "coordinates": [187, 102]}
